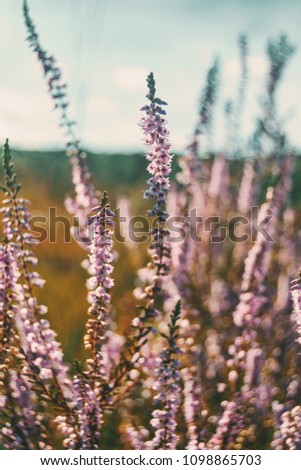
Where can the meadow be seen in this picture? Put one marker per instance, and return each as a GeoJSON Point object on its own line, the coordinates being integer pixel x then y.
{"type": "Point", "coordinates": [189, 339]}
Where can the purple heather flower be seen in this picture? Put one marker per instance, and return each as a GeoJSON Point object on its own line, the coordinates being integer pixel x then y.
{"type": "Point", "coordinates": [246, 352]}
{"type": "Point", "coordinates": [99, 284]}
{"type": "Point", "coordinates": [136, 437]}
{"type": "Point", "coordinates": [88, 413]}
{"type": "Point", "coordinates": [219, 182]}
{"type": "Point", "coordinates": [9, 290]}
{"type": "Point", "coordinates": [43, 352]}
{"type": "Point", "coordinates": [288, 430]}
{"type": "Point", "coordinates": [25, 427]}
{"type": "Point", "coordinates": [192, 404]}
{"type": "Point", "coordinates": [168, 391]}
{"type": "Point", "coordinates": [229, 425]}
{"type": "Point", "coordinates": [85, 194]}
{"type": "Point", "coordinates": [190, 165]}
{"type": "Point", "coordinates": [246, 190]}
{"type": "Point", "coordinates": [156, 139]}
{"type": "Point", "coordinates": [42, 355]}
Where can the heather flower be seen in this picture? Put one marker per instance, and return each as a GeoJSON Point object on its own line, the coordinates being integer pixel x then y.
{"type": "Point", "coordinates": [237, 371]}
{"type": "Point", "coordinates": [187, 253]}
{"type": "Point", "coordinates": [168, 390]}
{"type": "Point", "coordinates": [85, 195]}
{"type": "Point", "coordinates": [288, 432]}
{"type": "Point", "coordinates": [246, 351]}
{"type": "Point", "coordinates": [247, 192]}
{"type": "Point", "coordinates": [99, 285]}
{"type": "Point", "coordinates": [194, 189]}
{"type": "Point", "coordinates": [156, 139]}
{"type": "Point", "coordinates": [153, 124]}
{"type": "Point", "coordinates": [81, 430]}
{"type": "Point", "coordinates": [136, 437]}
{"type": "Point", "coordinates": [190, 166]}
{"type": "Point", "coordinates": [178, 283]}
{"type": "Point", "coordinates": [234, 108]}
{"type": "Point", "coordinates": [192, 403]}
{"type": "Point", "coordinates": [88, 413]}
{"type": "Point", "coordinates": [219, 180]}
{"type": "Point", "coordinates": [23, 425]}
{"type": "Point", "coordinates": [43, 353]}
{"type": "Point", "coordinates": [40, 352]}
{"type": "Point", "coordinates": [229, 425]}
{"type": "Point", "coordinates": [279, 52]}
{"type": "Point", "coordinates": [9, 275]}
{"type": "Point", "coordinates": [288, 422]}
{"type": "Point", "coordinates": [167, 396]}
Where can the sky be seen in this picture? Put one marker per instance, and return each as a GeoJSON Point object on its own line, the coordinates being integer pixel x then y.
{"type": "Point", "coordinates": [106, 48]}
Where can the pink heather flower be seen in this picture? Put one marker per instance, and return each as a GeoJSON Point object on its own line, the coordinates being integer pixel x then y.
{"type": "Point", "coordinates": [192, 404]}
{"type": "Point", "coordinates": [42, 355]}
{"type": "Point", "coordinates": [257, 262]}
{"type": "Point", "coordinates": [85, 194]}
{"type": "Point", "coordinates": [288, 431]}
{"type": "Point", "coordinates": [99, 284]}
{"type": "Point", "coordinates": [9, 276]}
{"type": "Point", "coordinates": [43, 352]}
{"type": "Point", "coordinates": [82, 429]}
{"type": "Point", "coordinates": [156, 139]}
{"type": "Point", "coordinates": [168, 391]}
{"type": "Point", "coordinates": [219, 181]}
{"type": "Point", "coordinates": [229, 425]}
{"type": "Point", "coordinates": [164, 420]}
{"type": "Point", "coordinates": [111, 350]}
{"type": "Point", "coordinates": [69, 429]}
{"type": "Point", "coordinates": [88, 413]}
{"type": "Point", "coordinates": [190, 165]}
{"type": "Point", "coordinates": [246, 352]}
{"type": "Point", "coordinates": [136, 437]}
{"type": "Point", "coordinates": [25, 428]}
{"type": "Point", "coordinates": [247, 191]}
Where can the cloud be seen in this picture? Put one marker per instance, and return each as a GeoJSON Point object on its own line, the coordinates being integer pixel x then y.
{"type": "Point", "coordinates": [130, 78]}
{"type": "Point", "coordinates": [27, 120]}
{"type": "Point", "coordinates": [14, 102]}
{"type": "Point", "coordinates": [257, 66]}
{"type": "Point", "coordinates": [101, 104]}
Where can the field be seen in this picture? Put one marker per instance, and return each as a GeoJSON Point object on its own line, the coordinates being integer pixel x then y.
{"type": "Point", "coordinates": [171, 313]}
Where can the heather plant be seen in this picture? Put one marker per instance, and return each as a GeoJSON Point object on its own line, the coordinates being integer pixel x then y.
{"type": "Point", "coordinates": [211, 354]}
{"type": "Point", "coordinates": [85, 195]}
{"type": "Point", "coordinates": [234, 108]}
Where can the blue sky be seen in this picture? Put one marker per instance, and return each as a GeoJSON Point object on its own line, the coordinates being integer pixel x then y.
{"type": "Point", "coordinates": [107, 47]}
